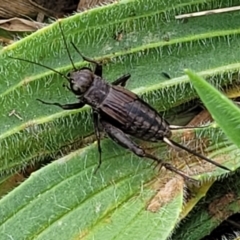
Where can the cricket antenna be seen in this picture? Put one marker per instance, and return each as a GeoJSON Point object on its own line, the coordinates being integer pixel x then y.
{"type": "Point", "coordinates": [44, 66]}
{"type": "Point", "coordinates": [65, 43]}
{"type": "Point", "coordinates": [39, 64]}
{"type": "Point", "coordinates": [174, 144]}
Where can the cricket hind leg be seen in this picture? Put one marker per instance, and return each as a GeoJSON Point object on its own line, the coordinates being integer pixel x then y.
{"type": "Point", "coordinates": [125, 141]}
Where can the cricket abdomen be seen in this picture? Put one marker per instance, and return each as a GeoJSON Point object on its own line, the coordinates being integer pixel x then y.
{"type": "Point", "coordinates": [146, 123]}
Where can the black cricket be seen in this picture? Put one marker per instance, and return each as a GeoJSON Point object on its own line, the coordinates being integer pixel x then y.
{"type": "Point", "coordinates": [120, 112]}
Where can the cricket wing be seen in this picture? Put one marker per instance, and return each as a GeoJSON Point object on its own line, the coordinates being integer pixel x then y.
{"type": "Point", "coordinates": [114, 107]}
{"type": "Point", "coordinates": [125, 110]}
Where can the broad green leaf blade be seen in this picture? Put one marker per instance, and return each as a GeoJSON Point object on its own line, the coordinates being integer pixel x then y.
{"type": "Point", "coordinates": [37, 132]}
{"type": "Point", "coordinates": [65, 200]}
{"type": "Point", "coordinates": [223, 110]}
{"type": "Point", "coordinates": [221, 202]}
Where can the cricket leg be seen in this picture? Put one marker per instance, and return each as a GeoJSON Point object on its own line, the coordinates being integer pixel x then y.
{"type": "Point", "coordinates": [97, 133]}
{"type": "Point", "coordinates": [122, 80]}
{"type": "Point", "coordinates": [98, 66]}
{"type": "Point", "coordinates": [125, 141]}
{"type": "Point", "coordinates": [66, 86]}
{"type": "Point", "coordinates": [98, 70]}
{"type": "Point", "coordinates": [64, 106]}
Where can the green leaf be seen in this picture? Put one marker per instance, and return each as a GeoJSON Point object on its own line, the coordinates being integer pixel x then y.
{"type": "Point", "coordinates": [41, 130]}
{"type": "Point", "coordinates": [65, 199]}
{"type": "Point", "coordinates": [223, 110]}
{"type": "Point", "coordinates": [221, 202]}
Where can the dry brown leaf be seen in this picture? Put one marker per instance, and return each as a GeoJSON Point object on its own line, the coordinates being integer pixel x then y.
{"type": "Point", "coordinates": [86, 4]}
{"type": "Point", "coordinates": [5, 41]}
{"type": "Point", "coordinates": [20, 25]}
{"type": "Point", "coordinates": [165, 194]}
{"type": "Point", "coordinates": [56, 8]}
{"type": "Point", "coordinates": [19, 8]}
{"type": "Point", "coordinates": [202, 118]}
{"type": "Point", "coordinates": [35, 8]}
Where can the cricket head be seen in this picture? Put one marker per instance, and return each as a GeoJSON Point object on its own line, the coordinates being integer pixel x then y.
{"type": "Point", "coordinates": [80, 80]}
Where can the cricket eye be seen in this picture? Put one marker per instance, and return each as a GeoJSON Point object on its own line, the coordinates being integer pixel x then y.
{"type": "Point", "coordinates": [78, 88]}
{"type": "Point", "coordinates": [75, 87]}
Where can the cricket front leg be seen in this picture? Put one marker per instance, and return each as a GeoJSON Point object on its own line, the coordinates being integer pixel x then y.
{"type": "Point", "coordinates": [122, 80]}
{"type": "Point", "coordinates": [125, 141]}
{"type": "Point", "coordinates": [98, 66]}
{"type": "Point", "coordinates": [68, 106]}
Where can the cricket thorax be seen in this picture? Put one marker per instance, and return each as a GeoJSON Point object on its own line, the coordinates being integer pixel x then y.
{"type": "Point", "coordinates": [96, 93]}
